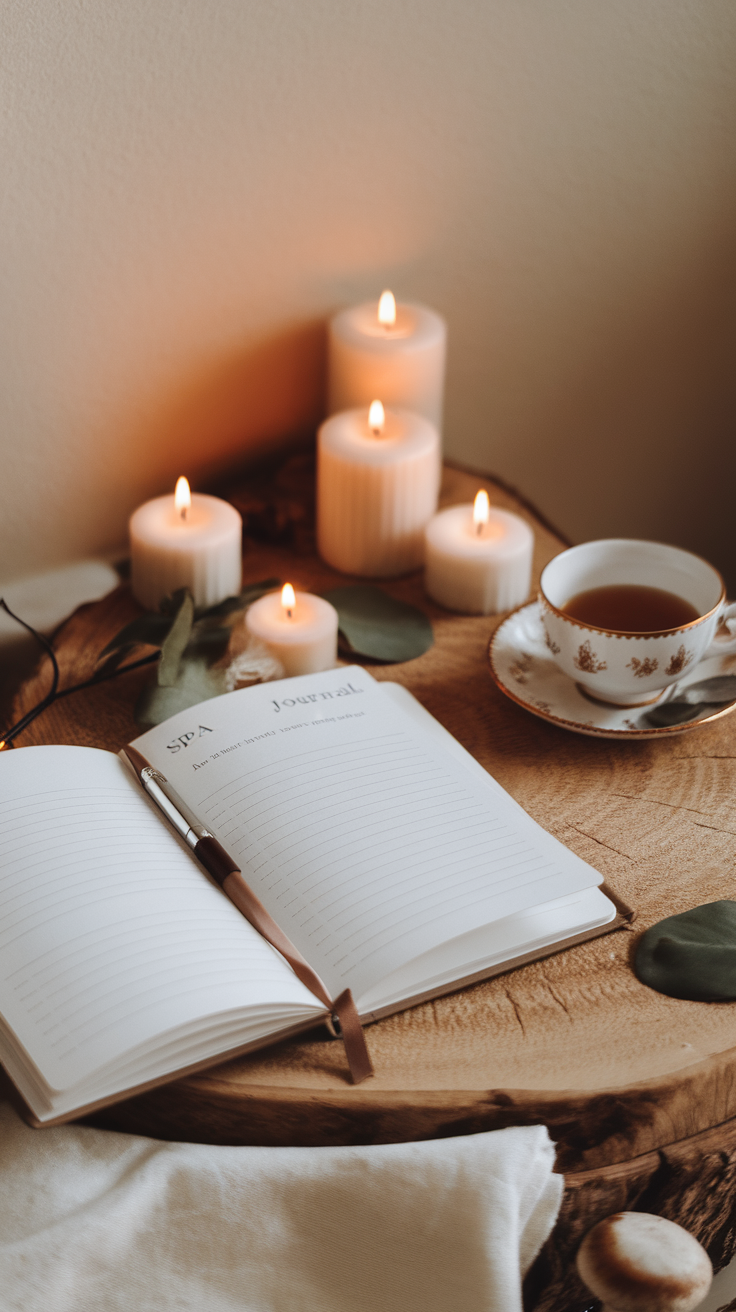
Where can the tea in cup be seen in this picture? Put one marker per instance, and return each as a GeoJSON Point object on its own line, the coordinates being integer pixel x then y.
{"type": "Point", "coordinates": [625, 618]}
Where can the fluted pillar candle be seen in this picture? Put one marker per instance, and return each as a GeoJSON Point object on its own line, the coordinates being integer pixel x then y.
{"type": "Point", "coordinates": [377, 488]}
{"type": "Point", "coordinates": [399, 356]}
{"type": "Point", "coordinates": [185, 541]}
{"type": "Point", "coordinates": [478, 559]}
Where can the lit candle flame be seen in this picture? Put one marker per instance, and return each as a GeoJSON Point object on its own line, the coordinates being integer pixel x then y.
{"type": "Point", "coordinates": [182, 497]}
{"type": "Point", "coordinates": [481, 511]}
{"type": "Point", "coordinates": [288, 600]}
{"type": "Point", "coordinates": [387, 310]}
{"type": "Point", "coordinates": [376, 417]}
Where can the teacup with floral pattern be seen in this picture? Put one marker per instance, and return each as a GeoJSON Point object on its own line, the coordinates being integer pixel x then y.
{"type": "Point", "coordinates": [633, 669]}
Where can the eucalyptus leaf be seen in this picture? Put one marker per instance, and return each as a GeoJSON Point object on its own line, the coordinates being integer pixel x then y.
{"type": "Point", "coordinates": [116, 658]}
{"type": "Point", "coordinates": [153, 629]}
{"type": "Point", "coordinates": [374, 624]}
{"type": "Point", "coordinates": [251, 592]}
{"type": "Point", "coordinates": [146, 630]}
{"type": "Point", "coordinates": [175, 642]}
{"type": "Point", "coordinates": [208, 643]}
{"type": "Point", "coordinates": [196, 683]}
{"type": "Point", "coordinates": [171, 605]}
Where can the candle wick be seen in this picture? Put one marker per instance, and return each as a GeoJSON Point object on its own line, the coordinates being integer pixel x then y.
{"type": "Point", "coordinates": [183, 512]}
{"type": "Point", "coordinates": [288, 612]}
{"type": "Point", "coordinates": [479, 529]}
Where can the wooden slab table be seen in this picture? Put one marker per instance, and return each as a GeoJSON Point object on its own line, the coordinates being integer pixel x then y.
{"type": "Point", "coordinates": [638, 1090]}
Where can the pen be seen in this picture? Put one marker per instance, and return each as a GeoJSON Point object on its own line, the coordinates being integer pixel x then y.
{"type": "Point", "coordinates": [204, 845]}
{"type": "Point", "coordinates": [227, 873]}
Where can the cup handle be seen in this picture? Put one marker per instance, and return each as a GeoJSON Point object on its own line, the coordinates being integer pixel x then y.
{"type": "Point", "coordinates": [723, 646]}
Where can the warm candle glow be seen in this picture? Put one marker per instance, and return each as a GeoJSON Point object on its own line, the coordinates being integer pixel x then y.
{"type": "Point", "coordinates": [481, 511]}
{"type": "Point", "coordinates": [182, 497]}
{"type": "Point", "coordinates": [288, 600]}
{"type": "Point", "coordinates": [387, 310]}
{"type": "Point", "coordinates": [376, 418]}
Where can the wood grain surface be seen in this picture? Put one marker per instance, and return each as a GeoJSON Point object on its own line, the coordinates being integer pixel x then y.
{"type": "Point", "coordinates": [615, 1070]}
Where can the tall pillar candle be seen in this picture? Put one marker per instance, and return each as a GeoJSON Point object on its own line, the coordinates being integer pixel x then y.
{"type": "Point", "coordinates": [378, 477]}
{"type": "Point", "coordinates": [185, 541]}
{"type": "Point", "coordinates": [478, 559]}
{"type": "Point", "coordinates": [399, 356]}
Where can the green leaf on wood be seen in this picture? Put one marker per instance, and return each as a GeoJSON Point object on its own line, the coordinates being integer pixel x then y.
{"type": "Point", "coordinates": [374, 624]}
{"type": "Point", "coordinates": [176, 640]}
{"type": "Point", "coordinates": [208, 636]}
{"type": "Point", "coordinates": [171, 605]}
{"type": "Point", "coordinates": [107, 667]}
{"type": "Point", "coordinates": [145, 631]}
{"type": "Point", "coordinates": [251, 592]}
{"type": "Point", "coordinates": [196, 682]}
{"type": "Point", "coordinates": [191, 642]}
{"type": "Point", "coordinates": [208, 643]}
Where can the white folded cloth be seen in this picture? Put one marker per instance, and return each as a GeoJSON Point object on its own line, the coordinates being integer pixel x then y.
{"type": "Point", "coordinates": [94, 1221]}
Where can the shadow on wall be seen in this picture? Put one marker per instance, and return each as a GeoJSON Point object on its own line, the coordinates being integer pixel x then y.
{"type": "Point", "coordinates": [220, 419]}
{"type": "Point", "coordinates": [265, 397]}
{"type": "Point", "coordinates": [628, 430]}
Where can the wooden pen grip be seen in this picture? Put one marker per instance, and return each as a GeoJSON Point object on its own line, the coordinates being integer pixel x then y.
{"type": "Point", "coordinates": [215, 859]}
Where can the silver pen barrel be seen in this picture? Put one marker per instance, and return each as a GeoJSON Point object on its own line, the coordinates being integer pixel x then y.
{"type": "Point", "coordinates": [182, 818]}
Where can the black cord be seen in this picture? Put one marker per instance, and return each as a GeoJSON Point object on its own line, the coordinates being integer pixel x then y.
{"type": "Point", "coordinates": [102, 678]}
{"type": "Point", "coordinates": [54, 694]}
{"type": "Point", "coordinates": [51, 694]}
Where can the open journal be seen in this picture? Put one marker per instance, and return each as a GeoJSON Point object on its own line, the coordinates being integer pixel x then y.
{"type": "Point", "coordinates": [397, 866]}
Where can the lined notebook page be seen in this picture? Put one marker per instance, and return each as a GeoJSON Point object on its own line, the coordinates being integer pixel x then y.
{"type": "Point", "coordinates": [367, 842]}
{"type": "Point", "coordinates": [109, 932]}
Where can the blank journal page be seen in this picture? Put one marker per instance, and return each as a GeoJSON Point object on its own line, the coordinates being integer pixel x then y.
{"type": "Point", "coordinates": [110, 934]}
{"type": "Point", "coordinates": [365, 839]}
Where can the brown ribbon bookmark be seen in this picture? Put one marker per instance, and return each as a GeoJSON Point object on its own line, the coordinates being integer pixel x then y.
{"type": "Point", "coordinates": [342, 1009]}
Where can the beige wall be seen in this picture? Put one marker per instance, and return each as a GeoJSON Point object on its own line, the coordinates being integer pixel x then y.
{"type": "Point", "coordinates": [189, 188]}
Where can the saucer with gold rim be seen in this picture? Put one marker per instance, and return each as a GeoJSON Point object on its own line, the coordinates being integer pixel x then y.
{"type": "Point", "coordinates": [524, 669]}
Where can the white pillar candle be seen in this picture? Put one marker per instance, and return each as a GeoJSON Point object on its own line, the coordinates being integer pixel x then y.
{"type": "Point", "coordinates": [399, 356]}
{"type": "Point", "coordinates": [299, 628]}
{"type": "Point", "coordinates": [478, 559]}
{"type": "Point", "coordinates": [185, 541]}
{"type": "Point", "coordinates": [378, 478]}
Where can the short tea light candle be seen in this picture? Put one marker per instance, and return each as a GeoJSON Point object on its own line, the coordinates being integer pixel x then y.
{"type": "Point", "coordinates": [297, 627]}
{"type": "Point", "coordinates": [478, 558]}
{"type": "Point", "coordinates": [378, 478]}
{"type": "Point", "coordinates": [185, 541]}
{"type": "Point", "coordinates": [393, 351]}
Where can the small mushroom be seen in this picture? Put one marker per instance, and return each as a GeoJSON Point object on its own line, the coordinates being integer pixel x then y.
{"type": "Point", "coordinates": [636, 1262]}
